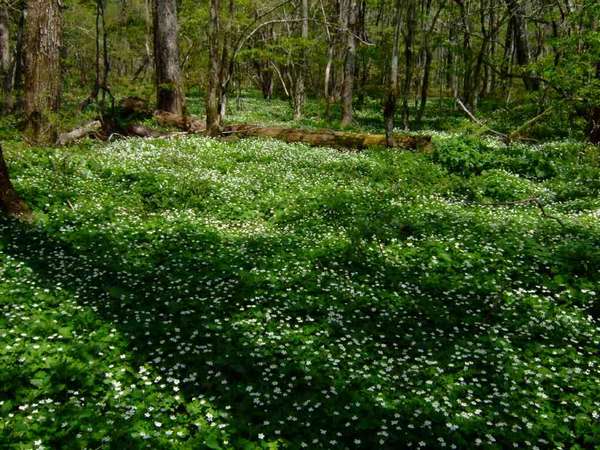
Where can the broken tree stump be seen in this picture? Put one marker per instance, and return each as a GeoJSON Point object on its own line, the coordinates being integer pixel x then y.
{"type": "Point", "coordinates": [79, 133]}
{"type": "Point", "coordinates": [10, 202]}
{"type": "Point", "coordinates": [185, 123]}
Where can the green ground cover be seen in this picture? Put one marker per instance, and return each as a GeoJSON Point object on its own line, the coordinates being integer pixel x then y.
{"type": "Point", "coordinates": [194, 293]}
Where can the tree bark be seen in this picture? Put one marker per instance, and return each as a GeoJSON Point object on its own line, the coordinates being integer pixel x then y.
{"type": "Point", "coordinates": [213, 96]}
{"type": "Point", "coordinates": [10, 202]}
{"type": "Point", "coordinates": [329, 138]}
{"type": "Point", "coordinates": [299, 84]}
{"type": "Point", "coordinates": [594, 117]}
{"type": "Point", "coordinates": [516, 9]}
{"type": "Point", "coordinates": [169, 92]}
{"type": "Point", "coordinates": [5, 59]}
{"type": "Point", "coordinates": [409, 37]}
{"type": "Point", "coordinates": [349, 63]}
{"type": "Point", "coordinates": [389, 110]}
{"type": "Point", "coordinates": [17, 74]}
{"type": "Point", "coordinates": [468, 97]}
{"type": "Point", "coordinates": [41, 48]}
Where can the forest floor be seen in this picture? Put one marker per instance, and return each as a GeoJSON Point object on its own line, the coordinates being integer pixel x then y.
{"type": "Point", "coordinates": [195, 293]}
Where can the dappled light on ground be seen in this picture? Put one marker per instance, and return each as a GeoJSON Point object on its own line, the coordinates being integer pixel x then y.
{"type": "Point", "coordinates": [193, 293]}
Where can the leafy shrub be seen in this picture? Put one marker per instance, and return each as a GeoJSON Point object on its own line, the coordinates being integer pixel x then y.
{"type": "Point", "coordinates": [499, 185]}
{"type": "Point", "coordinates": [462, 155]}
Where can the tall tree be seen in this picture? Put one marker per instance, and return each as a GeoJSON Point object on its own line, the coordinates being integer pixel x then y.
{"type": "Point", "coordinates": [409, 58]}
{"type": "Point", "coordinates": [593, 130]}
{"type": "Point", "coordinates": [427, 56]}
{"type": "Point", "coordinates": [299, 83]}
{"type": "Point", "coordinates": [213, 95]}
{"type": "Point", "coordinates": [102, 62]}
{"type": "Point", "coordinates": [389, 110]}
{"type": "Point", "coordinates": [349, 8]}
{"type": "Point", "coordinates": [17, 73]}
{"type": "Point", "coordinates": [5, 58]}
{"type": "Point", "coordinates": [516, 11]}
{"type": "Point", "coordinates": [169, 93]}
{"type": "Point", "coordinates": [41, 51]}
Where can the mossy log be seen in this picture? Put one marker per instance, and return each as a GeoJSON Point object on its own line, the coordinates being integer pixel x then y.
{"type": "Point", "coordinates": [317, 138]}
{"type": "Point", "coordinates": [330, 138]}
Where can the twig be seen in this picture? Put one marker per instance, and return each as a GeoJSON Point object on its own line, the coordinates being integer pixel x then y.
{"type": "Point", "coordinates": [530, 122]}
{"type": "Point", "coordinates": [504, 137]}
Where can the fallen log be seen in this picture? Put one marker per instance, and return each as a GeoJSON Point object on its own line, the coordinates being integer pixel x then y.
{"type": "Point", "coordinates": [317, 138]}
{"type": "Point", "coordinates": [79, 133]}
{"type": "Point", "coordinates": [330, 138]}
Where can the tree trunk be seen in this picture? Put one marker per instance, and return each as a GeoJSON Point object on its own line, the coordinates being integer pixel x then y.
{"type": "Point", "coordinates": [328, 76]}
{"type": "Point", "coordinates": [227, 65]}
{"type": "Point", "coordinates": [349, 63]}
{"type": "Point", "coordinates": [41, 48]}
{"type": "Point", "coordinates": [594, 117]}
{"type": "Point", "coordinates": [467, 50]}
{"type": "Point", "coordinates": [5, 59]}
{"type": "Point", "coordinates": [424, 86]}
{"type": "Point", "coordinates": [169, 93]}
{"type": "Point", "coordinates": [299, 97]}
{"type": "Point", "coordinates": [389, 110]}
{"type": "Point", "coordinates": [213, 96]}
{"type": "Point", "coordinates": [516, 10]}
{"type": "Point", "coordinates": [428, 56]}
{"type": "Point", "coordinates": [10, 202]}
{"type": "Point", "coordinates": [17, 75]}
{"type": "Point", "coordinates": [409, 36]}
{"type": "Point", "coordinates": [328, 79]}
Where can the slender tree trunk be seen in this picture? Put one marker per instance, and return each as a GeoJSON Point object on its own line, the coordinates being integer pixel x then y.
{"type": "Point", "coordinates": [299, 85]}
{"type": "Point", "coordinates": [227, 67]}
{"type": "Point", "coordinates": [349, 63]}
{"type": "Point", "coordinates": [424, 85]}
{"type": "Point", "coordinates": [169, 92]}
{"type": "Point", "coordinates": [451, 72]}
{"type": "Point", "coordinates": [5, 59]}
{"type": "Point", "coordinates": [10, 202]}
{"type": "Point", "coordinates": [213, 96]}
{"type": "Point", "coordinates": [328, 67]}
{"type": "Point", "coordinates": [516, 9]}
{"type": "Point", "coordinates": [411, 28]}
{"type": "Point", "coordinates": [328, 79]}
{"type": "Point", "coordinates": [389, 110]}
{"type": "Point", "coordinates": [147, 59]}
{"type": "Point", "coordinates": [265, 78]}
{"type": "Point", "coordinates": [428, 60]}
{"type": "Point", "coordinates": [18, 81]}
{"type": "Point", "coordinates": [42, 43]}
{"type": "Point", "coordinates": [594, 117]}
{"type": "Point", "coordinates": [467, 50]}
{"type": "Point", "coordinates": [364, 61]}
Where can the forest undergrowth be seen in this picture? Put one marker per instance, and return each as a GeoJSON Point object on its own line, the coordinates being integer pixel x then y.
{"type": "Point", "coordinates": [196, 293]}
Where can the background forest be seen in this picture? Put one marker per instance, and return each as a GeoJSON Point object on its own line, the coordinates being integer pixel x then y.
{"type": "Point", "coordinates": [531, 66]}
{"type": "Point", "coordinates": [322, 224]}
